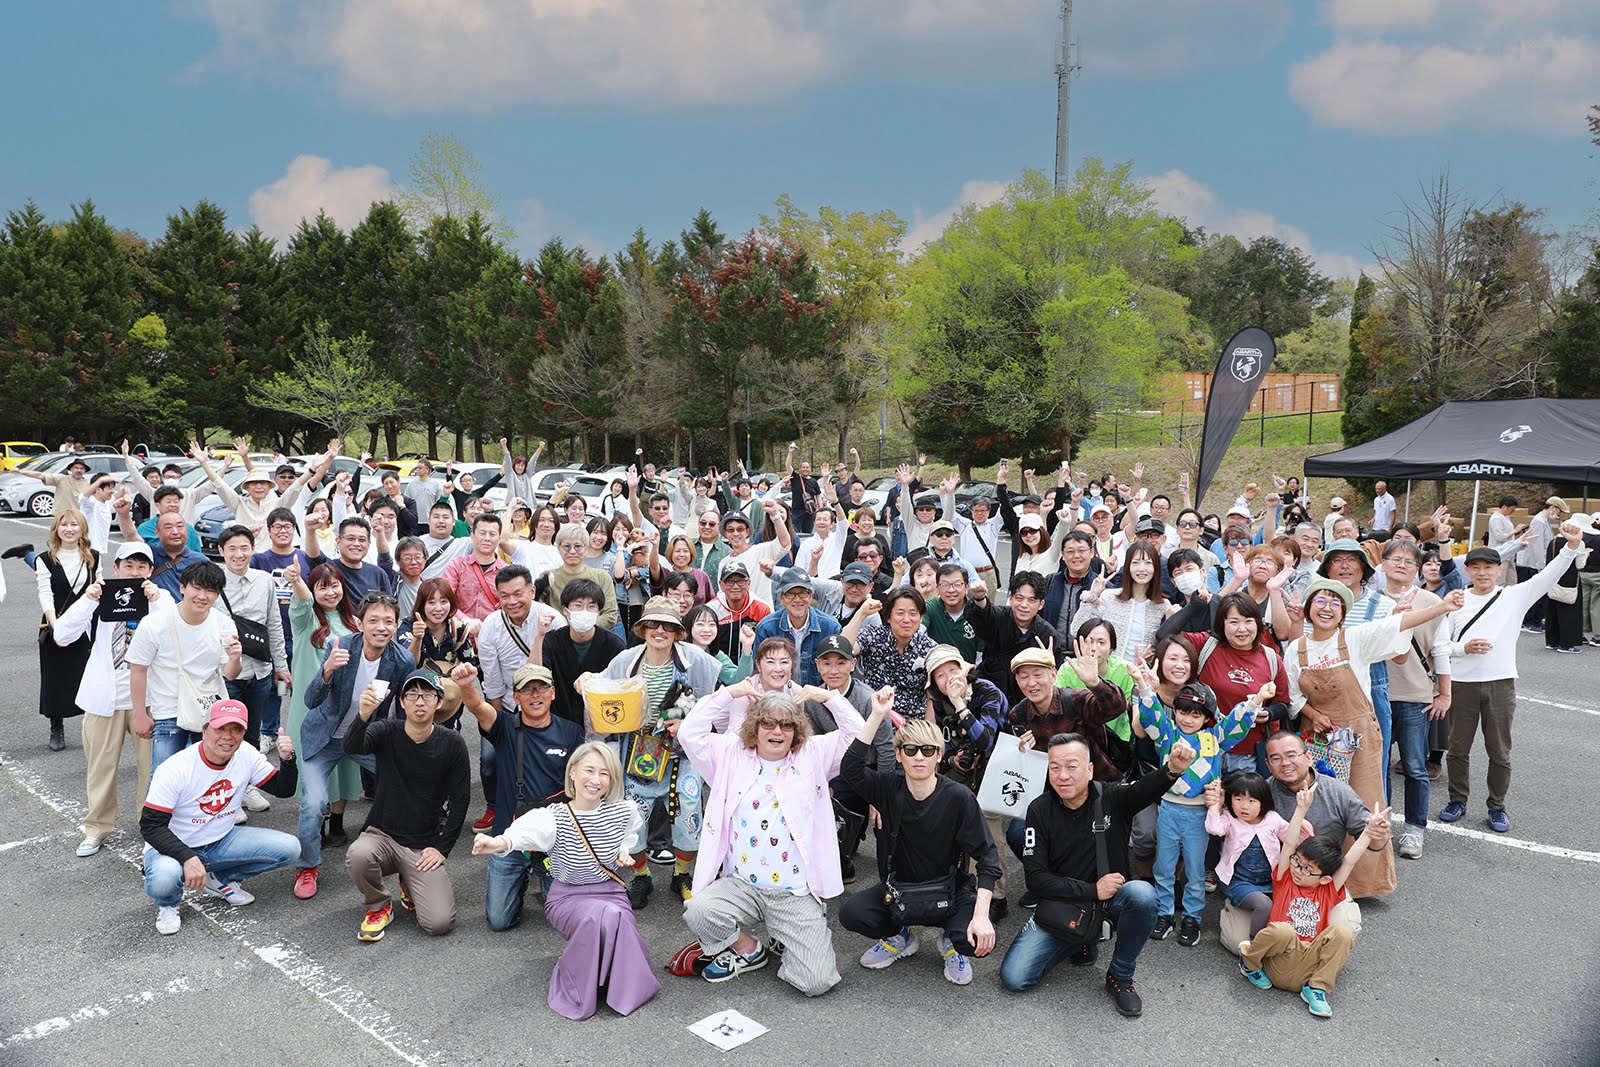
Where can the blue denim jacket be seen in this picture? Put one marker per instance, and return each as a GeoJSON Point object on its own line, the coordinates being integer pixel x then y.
{"type": "Point", "coordinates": [328, 700]}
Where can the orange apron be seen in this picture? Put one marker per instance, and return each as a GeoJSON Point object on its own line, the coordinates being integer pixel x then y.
{"type": "Point", "coordinates": [1337, 694]}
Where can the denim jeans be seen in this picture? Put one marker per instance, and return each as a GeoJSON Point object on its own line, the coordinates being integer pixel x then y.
{"type": "Point", "coordinates": [1181, 830]}
{"type": "Point", "coordinates": [314, 771]}
{"type": "Point", "coordinates": [1380, 708]}
{"type": "Point", "coordinates": [1411, 728]}
{"type": "Point", "coordinates": [272, 714]}
{"type": "Point", "coordinates": [1016, 835]}
{"type": "Point", "coordinates": [508, 885]}
{"type": "Point", "coordinates": [686, 826]}
{"type": "Point", "coordinates": [238, 854]}
{"type": "Point", "coordinates": [167, 740]}
{"type": "Point", "coordinates": [1247, 762]}
{"type": "Point", "coordinates": [254, 694]}
{"type": "Point", "coordinates": [486, 769]}
{"type": "Point", "coordinates": [1034, 952]}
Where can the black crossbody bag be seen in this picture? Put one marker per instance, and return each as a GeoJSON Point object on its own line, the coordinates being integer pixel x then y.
{"type": "Point", "coordinates": [1070, 920]}
{"type": "Point", "coordinates": [252, 635]}
{"type": "Point", "coordinates": [927, 903]}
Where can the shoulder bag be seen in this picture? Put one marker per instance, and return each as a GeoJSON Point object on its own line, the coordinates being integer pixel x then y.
{"type": "Point", "coordinates": [1069, 920]}
{"type": "Point", "coordinates": [578, 826]}
{"type": "Point", "coordinates": [252, 635]}
{"type": "Point", "coordinates": [194, 699]}
{"type": "Point", "coordinates": [927, 903]}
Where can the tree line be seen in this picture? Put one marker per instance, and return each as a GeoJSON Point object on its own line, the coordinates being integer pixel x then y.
{"type": "Point", "coordinates": [1006, 336]}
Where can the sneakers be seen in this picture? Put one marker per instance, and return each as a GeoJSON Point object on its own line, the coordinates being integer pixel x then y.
{"type": "Point", "coordinates": [1256, 977]}
{"type": "Point", "coordinates": [1316, 1002]}
{"type": "Point", "coordinates": [1084, 955]}
{"type": "Point", "coordinates": [1211, 881]}
{"type": "Point", "coordinates": [847, 870]}
{"type": "Point", "coordinates": [683, 885]}
{"type": "Point", "coordinates": [305, 883]}
{"type": "Point", "coordinates": [405, 899]}
{"type": "Point", "coordinates": [376, 922]}
{"type": "Point", "coordinates": [256, 800]}
{"type": "Point", "coordinates": [58, 737]}
{"type": "Point", "coordinates": [232, 892]}
{"type": "Point", "coordinates": [1127, 999]}
{"type": "Point", "coordinates": [1411, 843]}
{"type": "Point", "coordinates": [1574, 649]}
{"type": "Point", "coordinates": [1189, 932]}
{"type": "Point", "coordinates": [729, 964]}
{"type": "Point", "coordinates": [1499, 821]}
{"type": "Point", "coordinates": [639, 890]}
{"type": "Point", "coordinates": [882, 953]}
{"type": "Point", "coordinates": [243, 816]}
{"type": "Point", "coordinates": [956, 968]}
{"type": "Point", "coordinates": [1453, 811]}
{"type": "Point", "coordinates": [486, 823]}
{"type": "Point", "coordinates": [1029, 901]}
{"type": "Point", "coordinates": [1532, 629]}
{"type": "Point", "coordinates": [662, 855]}
{"type": "Point", "coordinates": [90, 845]}
{"type": "Point", "coordinates": [1162, 929]}
{"type": "Point", "coordinates": [168, 921]}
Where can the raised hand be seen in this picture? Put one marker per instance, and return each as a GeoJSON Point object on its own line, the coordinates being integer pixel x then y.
{"type": "Point", "coordinates": [1086, 664]}
{"type": "Point", "coordinates": [1181, 756]}
{"type": "Point", "coordinates": [1304, 797]}
{"type": "Point", "coordinates": [1002, 472]}
{"type": "Point", "coordinates": [902, 474]}
{"type": "Point", "coordinates": [1455, 598]}
{"type": "Point", "coordinates": [1214, 795]}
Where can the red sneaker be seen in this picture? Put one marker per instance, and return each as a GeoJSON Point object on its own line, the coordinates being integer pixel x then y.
{"type": "Point", "coordinates": [485, 824]}
{"type": "Point", "coordinates": [305, 883]}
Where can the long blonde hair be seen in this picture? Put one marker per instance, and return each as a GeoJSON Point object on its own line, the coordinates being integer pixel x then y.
{"type": "Point", "coordinates": [84, 548]}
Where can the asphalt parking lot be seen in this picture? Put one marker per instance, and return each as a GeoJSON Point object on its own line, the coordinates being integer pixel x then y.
{"type": "Point", "coordinates": [1485, 955]}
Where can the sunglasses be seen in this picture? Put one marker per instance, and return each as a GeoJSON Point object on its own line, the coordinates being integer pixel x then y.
{"type": "Point", "coordinates": [1234, 542]}
{"type": "Point", "coordinates": [779, 724]}
{"type": "Point", "coordinates": [920, 750]}
{"type": "Point", "coordinates": [1188, 524]}
{"type": "Point", "coordinates": [378, 598]}
{"type": "Point", "coordinates": [655, 625]}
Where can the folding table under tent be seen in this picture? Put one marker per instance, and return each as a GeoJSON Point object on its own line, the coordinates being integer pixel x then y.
{"type": "Point", "coordinates": [1535, 440]}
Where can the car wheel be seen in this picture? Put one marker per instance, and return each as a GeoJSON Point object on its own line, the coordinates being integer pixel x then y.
{"type": "Point", "coordinates": [42, 505]}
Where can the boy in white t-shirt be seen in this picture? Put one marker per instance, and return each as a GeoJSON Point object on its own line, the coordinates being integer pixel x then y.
{"type": "Point", "coordinates": [206, 644]}
{"type": "Point", "coordinates": [189, 824]}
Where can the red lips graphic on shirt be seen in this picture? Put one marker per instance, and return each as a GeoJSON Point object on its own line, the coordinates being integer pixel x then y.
{"type": "Point", "coordinates": [213, 800]}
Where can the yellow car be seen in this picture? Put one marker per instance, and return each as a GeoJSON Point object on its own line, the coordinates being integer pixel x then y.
{"type": "Point", "coordinates": [14, 452]}
{"type": "Point", "coordinates": [407, 467]}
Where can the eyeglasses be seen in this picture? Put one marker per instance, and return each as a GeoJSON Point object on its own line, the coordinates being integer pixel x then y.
{"type": "Point", "coordinates": [952, 587]}
{"type": "Point", "coordinates": [920, 750]}
{"type": "Point", "coordinates": [778, 724]}
{"type": "Point", "coordinates": [1326, 602]}
{"type": "Point", "coordinates": [1279, 760]}
{"type": "Point", "coordinates": [280, 527]}
{"type": "Point", "coordinates": [571, 547]}
{"type": "Point", "coordinates": [735, 579]}
{"type": "Point", "coordinates": [1188, 524]}
{"type": "Point", "coordinates": [416, 696]}
{"type": "Point", "coordinates": [1302, 868]}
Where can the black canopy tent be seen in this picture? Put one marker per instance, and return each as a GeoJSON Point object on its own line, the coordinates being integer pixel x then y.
{"type": "Point", "coordinates": [1536, 440]}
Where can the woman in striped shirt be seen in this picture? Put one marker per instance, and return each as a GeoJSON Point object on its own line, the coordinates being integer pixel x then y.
{"type": "Point", "coordinates": [585, 839]}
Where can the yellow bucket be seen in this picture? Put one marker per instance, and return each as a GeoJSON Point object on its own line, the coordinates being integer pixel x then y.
{"type": "Point", "coordinates": [614, 707]}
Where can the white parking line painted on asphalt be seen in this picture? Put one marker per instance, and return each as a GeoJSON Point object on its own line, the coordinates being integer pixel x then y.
{"type": "Point", "coordinates": [57, 1024]}
{"type": "Point", "coordinates": [1555, 704]}
{"type": "Point", "coordinates": [1515, 842]}
{"type": "Point", "coordinates": [9, 845]}
{"type": "Point", "coordinates": [287, 958]}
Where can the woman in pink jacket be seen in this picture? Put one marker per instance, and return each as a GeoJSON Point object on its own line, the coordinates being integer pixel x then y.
{"type": "Point", "coordinates": [768, 852]}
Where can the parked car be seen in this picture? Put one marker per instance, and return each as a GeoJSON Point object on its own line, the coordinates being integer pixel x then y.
{"type": "Point", "coordinates": [29, 496]}
{"type": "Point", "coordinates": [545, 482]}
{"type": "Point", "coordinates": [13, 453]}
{"type": "Point", "coordinates": [210, 522]}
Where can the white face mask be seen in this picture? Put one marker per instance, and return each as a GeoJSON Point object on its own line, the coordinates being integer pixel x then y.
{"type": "Point", "coordinates": [1189, 582]}
{"type": "Point", "coordinates": [1094, 491]}
{"type": "Point", "coordinates": [582, 621]}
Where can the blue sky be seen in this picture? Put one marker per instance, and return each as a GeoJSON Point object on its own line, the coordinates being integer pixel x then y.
{"type": "Point", "coordinates": [1305, 119]}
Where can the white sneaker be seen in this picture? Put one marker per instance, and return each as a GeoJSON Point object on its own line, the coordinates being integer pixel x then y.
{"type": "Point", "coordinates": [1411, 843]}
{"type": "Point", "coordinates": [168, 920]}
{"type": "Point", "coordinates": [256, 800]}
{"type": "Point", "coordinates": [882, 953]}
{"type": "Point", "coordinates": [232, 892]}
{"type": "Point", "coordinates": [90, 845]}
{"type": "Point", "coordinates": [243, 817]}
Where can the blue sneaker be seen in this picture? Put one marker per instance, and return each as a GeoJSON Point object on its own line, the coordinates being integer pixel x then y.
{"type": "Point", "coordinates": [881, 954]}
{"type": "Point", "coordinates": [1257, 977]}
{"type": "Point", "coordinates": [1453, 811]}
{"type": "Point", "coordinates": [729, 964]}
{"type": "Point", "coordinates": [1316, 1002]}
{"type": "Point", "coordinates": [1499, 821]}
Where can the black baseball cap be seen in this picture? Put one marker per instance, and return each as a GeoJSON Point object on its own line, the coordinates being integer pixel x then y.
{"type": "Point", "coordinates": [733, 568]}
{"type": "Point", "coordinates": [837, 643]}
{"type": "Point", "coordinates": [856, 572]}
{"type": "Point", "coordinates": [1483, 555]}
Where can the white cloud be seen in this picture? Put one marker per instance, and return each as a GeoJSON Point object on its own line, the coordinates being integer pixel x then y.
{"type": "Point", "coordinates": [536, 225]}
{"type": "Point", "coordinates": [405, 56]}
{"type": "Point", "coordinates": [311, 184]}
{"type": "Point", "coordinates": [1182, 196]}
{"type": "Point", "coordinates": [925, 228]}
{"type": "Point", "coordinates": [1402, 67]}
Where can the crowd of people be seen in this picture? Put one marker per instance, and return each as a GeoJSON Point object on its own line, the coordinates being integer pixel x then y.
{"type": "Point", "coordinates": [1215, 700]}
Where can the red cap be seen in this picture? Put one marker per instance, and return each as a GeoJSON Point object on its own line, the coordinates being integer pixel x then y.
{"type": "Point", "coordinates": [224, 712]}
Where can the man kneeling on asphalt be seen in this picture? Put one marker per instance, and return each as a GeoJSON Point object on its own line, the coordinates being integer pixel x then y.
{"type": "Point", "coordinates": [932, 826]}
{"type": "Point", "coordinates": [1075, 853]}
{"type": "Point", "coordinates": [424, 784]}
{"type": "Point", "coordinates": [191, 810]}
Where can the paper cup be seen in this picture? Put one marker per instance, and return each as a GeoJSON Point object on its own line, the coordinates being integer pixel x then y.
{"type": "Point", "coordinates": [380, 687]}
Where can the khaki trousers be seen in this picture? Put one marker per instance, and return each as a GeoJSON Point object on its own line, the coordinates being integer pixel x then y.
{"type": "Point", "coordinates": [1491, 705]}
{"type": "Point", "coordinates": [103, 736]}
{"type": "Point", "coordinates": [1292, 963]}
{"type": "Point", "coordinates": [375, 855]}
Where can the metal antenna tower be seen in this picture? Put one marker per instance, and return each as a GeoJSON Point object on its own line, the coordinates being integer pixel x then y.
{"type": "Point", "coordinates": [1065, 70]}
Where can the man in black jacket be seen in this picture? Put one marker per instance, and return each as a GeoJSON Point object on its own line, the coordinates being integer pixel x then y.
{"type": "Point", "coordinates": [934, 825]}
{"type": "Point", "coordinates": [1060, 859]}
{"type": "Point", "coordinates": [1008, 630]}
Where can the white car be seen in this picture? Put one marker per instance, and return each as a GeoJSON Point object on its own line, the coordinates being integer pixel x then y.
{"type": "Point", "coordinates": [20, 495]}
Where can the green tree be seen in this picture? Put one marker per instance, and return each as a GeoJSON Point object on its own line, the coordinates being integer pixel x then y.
{"type": "Point", "coordinates": [447, 183]}
{"type": "Point", "coordinates": [265, 332]}
{"type": "Point", "coordinates": [733, 301]}
{"type": "Point", "coordinates": [1022, 327]}
{"type": "Point", "coordinates": [1573, 340]}
{"type": "Point", "coordinates": [1266, 283]}
{"type": "Point", "coordinates": [334, 384]}
{"type": "Point", "coordinates": [38, 302]}
{"type": "Point", "coordinates": [1356, 423]}
{"type": "Point", "coordinates": [382, 254]}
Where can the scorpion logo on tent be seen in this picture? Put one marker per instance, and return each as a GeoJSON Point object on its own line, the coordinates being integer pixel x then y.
{"type": "Point", "coordinates": [1509, 435]}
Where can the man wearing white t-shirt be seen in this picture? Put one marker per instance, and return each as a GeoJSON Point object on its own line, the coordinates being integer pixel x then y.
{"type": "Point", "coordinates": [736, 529]}
{"type": "Point", "coordinates": [189, 824]}
{"type": "Point", "coordinates": [189, 636]}
{"type": "Point", "coordinates": [1383, 506]}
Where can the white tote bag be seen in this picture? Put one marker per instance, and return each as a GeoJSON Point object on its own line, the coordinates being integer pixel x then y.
{"type": "Point", "coordinates": [1013, 778]}
{"type": "Point", "coordinates": [194, 701]}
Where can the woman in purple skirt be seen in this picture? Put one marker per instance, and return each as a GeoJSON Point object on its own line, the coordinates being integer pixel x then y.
{"type": "Point", "coordinates": [584, 839]}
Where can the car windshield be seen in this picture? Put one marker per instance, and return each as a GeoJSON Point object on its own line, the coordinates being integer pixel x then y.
{"type": "Point", "coordinates": [26, 450]}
